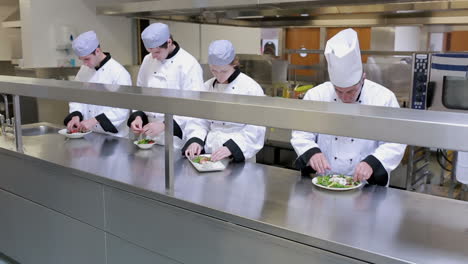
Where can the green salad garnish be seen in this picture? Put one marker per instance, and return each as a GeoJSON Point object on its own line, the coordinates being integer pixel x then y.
{"type": "Point", "coordinates": [201, 159]}
{"type": "Point", "coordinates": [145, 141]}
{"type": "Point", "coordinates": [337, 181]}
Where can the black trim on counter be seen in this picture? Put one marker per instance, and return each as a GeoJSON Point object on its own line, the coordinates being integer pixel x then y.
{"type": "Point", "coordinates": [301, 161]}
{"type": "Point", "coordinates": [71, 115]}
{"type": "Point", "coordinates": [237, 154]}
{"type": "Point", "coordinates": [106, 124]}
{"type": "Point", "coordinates": [134, 115]}
{"type": "Point", "coordinates": [194, 140]}
{"type": "Point", "coordinates": [379, 175]}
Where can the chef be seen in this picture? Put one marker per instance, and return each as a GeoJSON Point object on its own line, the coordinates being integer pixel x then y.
{"type": "Point", "coordinates": [365, 160]}
{"type": "Point", "coordinates": [166, 66]}
{"type": "Point", "coordinates": [225, 139]}
{"type": "Point", "coordinates": [98, 67]}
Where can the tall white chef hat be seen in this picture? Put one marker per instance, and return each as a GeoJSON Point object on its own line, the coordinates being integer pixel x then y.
{"type": "Point", "coordinates": [344, 58]}
{"type": "Point", "coordinates": [221, 52]}
{"type": "Point", "coordinates": [155, 35]}
{"type": "Point", "coordinates": [85, 43]}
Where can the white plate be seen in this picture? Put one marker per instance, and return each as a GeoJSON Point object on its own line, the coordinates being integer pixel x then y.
{"type": "Point", "coordinates": [210, 166]}
{"type": "Point", "coordinates": [143, 146]}
{"type": "Point", "coordinates": [74, 135]}
{"type": "Point", "coordinates": [314, 181]}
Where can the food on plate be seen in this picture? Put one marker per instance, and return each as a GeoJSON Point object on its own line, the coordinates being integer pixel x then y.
{"type": "Point", "coordinates": [203, 163]}
{"type": "Point", "coordinates": [201, 159]}
{"type": "Point", "coordinates": [337, 181]}
{"type": "Point", "coordinates": [76, 130]}
{"type": "Point", "coordinates": [145, 141]}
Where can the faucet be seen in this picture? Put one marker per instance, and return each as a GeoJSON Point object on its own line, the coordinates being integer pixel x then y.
{"type": "Point", "coordinates": [7, 110]}
{"type": "Point", "coordinates": [6, 121]}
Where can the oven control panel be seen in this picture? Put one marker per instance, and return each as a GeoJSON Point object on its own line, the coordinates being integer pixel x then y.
{"type": "Point", "coordinates": [420, 80]}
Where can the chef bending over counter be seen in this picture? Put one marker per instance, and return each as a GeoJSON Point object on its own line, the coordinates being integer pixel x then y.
{"type": "Point", "coordinates": [166, 66]}
{"type": "Point", "coordinates": [98, 67]}
{"type": "Point", "coordinates": [225, 139]}
{"type": "Point", "coordinates": [170, 66]}
{"type": "Point", "coordinates": [366, 160]}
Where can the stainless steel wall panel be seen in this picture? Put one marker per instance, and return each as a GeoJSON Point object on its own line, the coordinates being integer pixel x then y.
{"type": "Point", "coordinates": [120, 251]}
{"type": "Point", "coordinates": [31, 234]}
{"type": "Point", "coordinates": [54, 188]}
{"type": "Point", "coordinates": [193, 238]}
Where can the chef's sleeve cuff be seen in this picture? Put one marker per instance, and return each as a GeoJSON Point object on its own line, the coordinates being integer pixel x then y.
{"type": "Point", "coordinates": [236, 152]}
{"type": "Point", "coordinates": [379, 175]}
{"type": "Point", "coordinates": [106, 124]}
{"type": "Point", "coordinates": [71, 115]}
{"type": "Point", "coordinates": [190, 141]}
{"type": "Point", "coordinates": [134, 115]}
{"type": "Point", "coordinates": [177, 130]}
{"type": "Point", "coordinates": [301, 161]}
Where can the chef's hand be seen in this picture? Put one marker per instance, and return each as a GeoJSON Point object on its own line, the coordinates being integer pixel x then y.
{"type": "Point", "coordinates": [153, 129]}
{"type": "Point", "coordinates": [193, 150]}
{"type": "Point", "coordinates": [363, 171]}
{"type": "Point", "coordinates": [221, 153]}
{"type": "Point", "coordinates": [87, 125]}
{"type": "Point", "coordinates": [319, 163]}
{"type": "Point", "coordinates": [137, 125]}
{"type": "Point", "coordinates": [74, 123]}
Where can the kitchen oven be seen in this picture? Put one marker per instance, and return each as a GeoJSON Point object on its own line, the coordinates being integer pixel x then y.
{"type": "Point", "coordinates": [440, 82]}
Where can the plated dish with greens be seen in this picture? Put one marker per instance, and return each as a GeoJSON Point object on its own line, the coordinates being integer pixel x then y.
{"type": "Point", "coordinates": [203, 163]}
{"type": "Point", "coordinates": [144, 143]}
{"type": "Point", "coordinates": [336, 182]}
{"type": "Point", "coordinates": [75, 133]}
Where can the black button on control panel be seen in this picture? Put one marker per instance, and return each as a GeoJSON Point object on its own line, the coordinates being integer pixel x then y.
{"type": "Point", "coordinates": [420, 77]}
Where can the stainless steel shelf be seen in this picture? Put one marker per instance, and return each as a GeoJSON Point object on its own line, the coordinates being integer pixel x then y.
{"type": "Point", "coordinates": [419, 128]}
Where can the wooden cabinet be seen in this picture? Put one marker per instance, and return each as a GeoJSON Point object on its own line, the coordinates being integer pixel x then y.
{"type": "Point", "coordinates": [456, 41]}
{"type": "Point", "coordinates": [307, 38]}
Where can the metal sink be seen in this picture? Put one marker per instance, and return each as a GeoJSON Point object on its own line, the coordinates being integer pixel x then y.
{"type": "Point", "coordinates": [39, 130]}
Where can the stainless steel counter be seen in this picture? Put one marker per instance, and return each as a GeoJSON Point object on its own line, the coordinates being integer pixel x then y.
{"type": "Point", "coordinates": [375, 224]}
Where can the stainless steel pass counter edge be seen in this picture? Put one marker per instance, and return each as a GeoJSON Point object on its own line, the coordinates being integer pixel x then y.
{"type": "Point", "coordinates": [375, 224]}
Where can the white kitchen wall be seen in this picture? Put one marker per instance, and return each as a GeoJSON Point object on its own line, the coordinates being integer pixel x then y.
{"type": "Point", "coordinates": [5, 41]}
{"type": "Point", "coordinates": [409, 38]}
{"type": "Point", "coordinates": [43, 19]}
{"type": "Point", "coordinates": [196, 38]}
{"type": "Point", "coordinates": [245, 40]}
{"type": "Point", "coordinates": [187, 35]}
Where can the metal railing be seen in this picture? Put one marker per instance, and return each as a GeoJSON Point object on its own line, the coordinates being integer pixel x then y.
{"type": "Point", "coordinates": [419, 128]}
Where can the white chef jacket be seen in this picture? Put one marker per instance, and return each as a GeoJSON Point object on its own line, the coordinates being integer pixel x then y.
{"type": "Point", "coordinates": [344, 153]}
{"type": "Point", "coordinates": [179, 71]}
{"type": "Point", "coordinates": [111, 119]}
{"type": "Point", "coordinates": [244, 141]}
